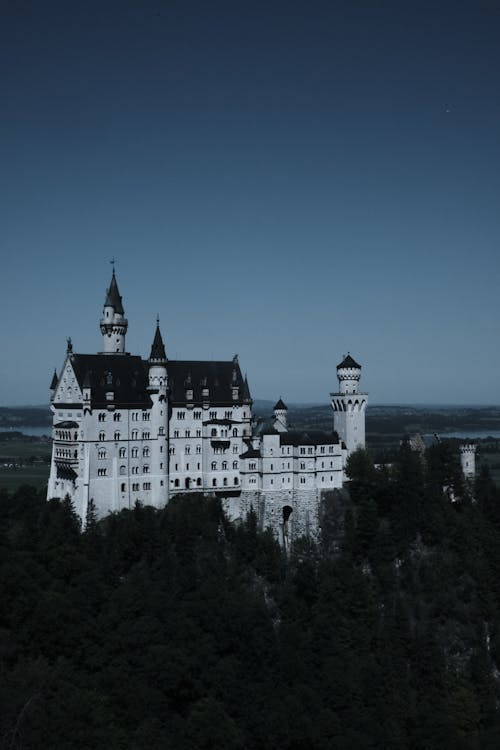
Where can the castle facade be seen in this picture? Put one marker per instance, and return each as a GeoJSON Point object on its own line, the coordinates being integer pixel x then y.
{"type": "Point", "coordinates": [127, 429]}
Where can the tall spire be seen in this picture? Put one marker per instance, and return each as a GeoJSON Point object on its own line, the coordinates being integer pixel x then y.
{"type": "Point", "coordinates": [113, 298]}
{"type": "Point", "coordinates": [158, 348]}
{"type": "Point", "coordinates": [113, 322]}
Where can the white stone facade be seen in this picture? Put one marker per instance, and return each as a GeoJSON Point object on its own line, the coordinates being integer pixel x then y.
{"type": "Point", "coordinates": [127, 430]}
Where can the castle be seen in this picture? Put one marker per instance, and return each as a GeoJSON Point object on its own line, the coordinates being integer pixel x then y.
{"type": "Point", "coordinates": [127, 429]}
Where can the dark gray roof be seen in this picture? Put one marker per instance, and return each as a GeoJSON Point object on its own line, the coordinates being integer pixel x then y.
{"type": "Point", "coordinates": [113, 298]}
{"type": "Point", "coordinates": [157, 349]}
{"type": "Point", "coordinates": [311, 437]}
{"type": "Point", "coordinates": [251, 453]}
{"type": "Point", "coordinates": [219, 377]}
{"type": "Point", "coordinates": [125, 375]}
{"type": "Point", "coordinates": [349, 362]}
{"type": "Point", "coordinates": [66, 424]}
{"type": "Point", "coordinates": [54, 381]}
{"type": "Point", "coordinates": [280, 406]}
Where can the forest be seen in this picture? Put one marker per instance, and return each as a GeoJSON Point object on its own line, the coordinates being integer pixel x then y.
{"type": "Point", "coordinates": [176, 629]}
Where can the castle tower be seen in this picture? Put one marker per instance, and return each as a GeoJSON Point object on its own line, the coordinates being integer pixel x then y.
{"type": "Point", "coordinates": [280, 417]}
{"type": "Point", "coordinates": [157, 389]}
{"type": "Point", "coordinates": [113, 322]}
{"type": "Point", "coordinates": [468, 460]}
{"type": "Point", "coordinates": [349, 405]}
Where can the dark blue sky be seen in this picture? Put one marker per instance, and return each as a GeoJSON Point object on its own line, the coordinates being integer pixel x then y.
{"type": "Point", "coordinates": [285, 180]}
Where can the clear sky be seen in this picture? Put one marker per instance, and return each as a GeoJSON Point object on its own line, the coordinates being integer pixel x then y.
{"type": "Point", "coordinates": [285, 180]}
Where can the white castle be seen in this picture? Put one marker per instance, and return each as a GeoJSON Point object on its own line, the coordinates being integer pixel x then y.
{"type": "Point", "coordinates": [129, 430]}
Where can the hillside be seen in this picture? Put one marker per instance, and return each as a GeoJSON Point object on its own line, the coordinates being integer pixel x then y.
{"type": "Point", "coordinates": [175, 629]}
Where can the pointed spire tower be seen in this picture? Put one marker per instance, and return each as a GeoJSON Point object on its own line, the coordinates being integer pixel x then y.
{"type": "Point", "coordinates": [158, 362]}
{"type": "Point", "coordinates": [113, 322]}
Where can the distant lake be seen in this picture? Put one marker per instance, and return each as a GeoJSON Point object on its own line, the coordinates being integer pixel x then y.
{"type": "Point", "coordinates": [27, 429]}
{"type": "Point", "coordinates": [472, 434]}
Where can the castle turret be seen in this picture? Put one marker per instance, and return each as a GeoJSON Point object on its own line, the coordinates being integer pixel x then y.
{"type": "Point", "coordinates": [158, 362]}
{"type": "Point", "coordinates": [113, 322]}
{"type": "Point", "coordinates": [280, 417]}
{"type": "Point", "coordinates": [468, 460]}
{"type": "Point", "coordinates": [349, 405]}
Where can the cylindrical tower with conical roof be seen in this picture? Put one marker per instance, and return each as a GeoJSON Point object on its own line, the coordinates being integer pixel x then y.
{"type": "Point", "coordinates": [113, 322]}
{"type": "Point", "coordinates": [349, 405]}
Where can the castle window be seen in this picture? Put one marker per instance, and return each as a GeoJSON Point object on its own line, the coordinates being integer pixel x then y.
{"type": "Point", "coordinates": [302, 466]}
{"type": "Point", "coordinates": [146, 452]}
{"type": "Point", "coordinates": [117, 416]}
{"type": "Point", "coordinates": [117, 435]}
{"type": "Point", "coordinates": [302, 451]}
{"type": "Point", "coordinates": [146, 486]}
{"type": "Point", "coordinates": [272, 467]}
{"type": "Point", "coordinates": [224, 481]}
{"type": "Point", "coordinates": [197, 415]}
{"type": "Point", "coordinates": [171, 450]}
{"type": "Point", "coordinates": [101, 453]}
{"type": "Point", "coordinates": [252, 465]}
{"type": "Point", "coordinates": [135, 434]}
{"type": "Point", "coordinates": [198, 482]}
{"type": "Point", "coordinates": [228, 414]}
{"type": "Point", "coordinates": [102, 472]}
{"type": "Point", "coordinates": [322, 449]}
{"type": "Point", "coordinates": [145, 416]}
{"type": "Point", "coordinates": [102, 436]}
{"type": "Point", "coordinates": [187, 467]}
{"type": "Point", "coordinates": [235, 464]}
{"type": "Point", "coordinates": [235, 449]}
{"type": "Point", "coordinates": [176, 433]}
{"type": "Point", "coordinates": [187, 450]}
{"type": "Point", "coordinates": [235, 432]}
{"type": "Point", "coordinates": [181, 415]}
{"type": "Point", "coordinates": [236, 480]}
{"type": "Point", "coordinates": [145, 435]}
{"type": "Point", "coordinates": [213, 415]}
{"type": "Point", "coordinates": [322, 464]}
{"type": "Point", "coordinates": [198, 433]}
{"type": "Point", "coordinates": [310, 451]}
{"type": "Point", "coordinates": [134, 452]}
{"type": "Point", "coordinates": [214, 465]}
{"type": "Point", "coordinates": [213, 432]}
{"type": "Point", "coordinates": [198, 449]}
{"type": "Point", "coordinates": [161, 431]}
{"type": "Point", "coordinates": [188, 433]}
{"type": "Point", "coordinates": [123, 470]}
{"type": "Point", "coordinates": [330, 449]}
{"type": "Point", "coordinates": [102, 417]}
{"type": "Point", "coordinates": [135, 469]}
{"type": "Point", "coordinates": [302, 480]}
{"type": "Point", "coordinates": [176, 483]}
{"type": "Point", "coordinates": [214, 482]}
{"type": "Point", "coordinates": [122, 487]}
{"type": "Point", "coordinates": [224, 465]}
{"type": "Point", "coordinates": [122, 452]}
{"type": "Point", "coordinates": [161, 466]}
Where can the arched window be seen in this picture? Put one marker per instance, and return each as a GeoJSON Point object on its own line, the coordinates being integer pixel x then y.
{"type": "Point", "coordinates": [122, 452]}
{"type": "Point", "coordinates": [122, 486]}
{"type": "Point", "coordinates": [198, 481]}
{"type": "Point", "coordinates": [214, 465]}
{"type": "Point", "coordinates": [224, 465]}
{"type": "Point", "coordinates": [176, 483]}
{"type": "Point", "coordinates": [135, 434]}
{"type": "Point", "coordinates": [236, 480]}
{"type": "Point", "coordinates": [235, 432]}
{"type": "Point", "coordinates": [213, 432]}
{"type": "Point", "coordinates": [117, 435]}
{"type": "Point", "coordinates": [145, 451]}
{"type": "Point", "coordinates": [123, 470]}
{"type": "Point", "coordinates": [225, 482]}
{"type": "Point", "coordinates": [235, 464]}
{"type": "Point", "coordinates": [214, 482]}
{"type": "Point", "coordinates": [117, 416]}
{"type": "Point", "coordinates": [102, 436]}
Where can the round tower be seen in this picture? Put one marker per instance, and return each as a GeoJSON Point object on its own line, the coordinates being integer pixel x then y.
{"type": "Point", "coordinates": [280, 416]}
{"type": "Point", "coordinates": [158, 363]}
{"type": "Point", "coordinates": [349, 405]}
{"type": "Point", "coordinates": [468, 460]}
{"type": "Point", "coordinates": [113, 323]}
